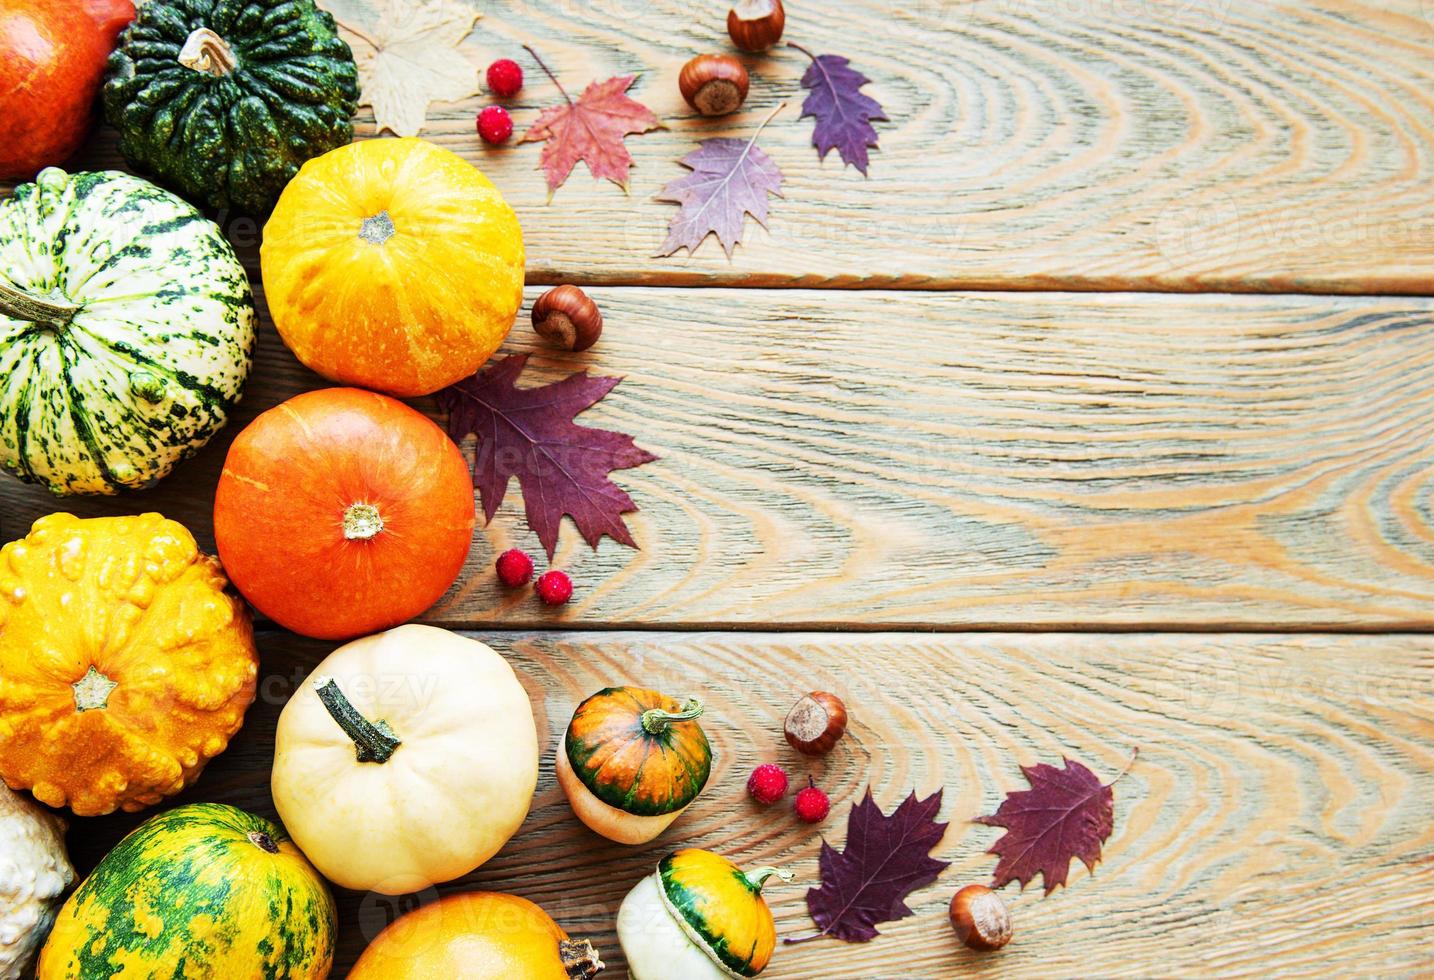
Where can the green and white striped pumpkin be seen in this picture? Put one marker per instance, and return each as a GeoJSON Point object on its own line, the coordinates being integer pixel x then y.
{"type": "Point", "coordinates": [126, 331]}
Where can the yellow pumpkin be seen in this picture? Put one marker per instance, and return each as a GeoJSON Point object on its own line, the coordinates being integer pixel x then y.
{"type": "Point", "coordinates": [125, 662]}
{"type": "Point", "coordinates": [392, 264]}
{"type": "Point", "coordinates": [477, 936]}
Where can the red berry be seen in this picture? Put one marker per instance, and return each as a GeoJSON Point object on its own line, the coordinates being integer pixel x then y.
{"type": "Point", "coordinates": [812, 804]}
{"type": "Point", "coordinates": [555, 588]}
{"type": "Point", "coordinates": [768, 783]}
{"type": "Point", "coordinates": [515, 568]}
{"type": "Point", "coordinates": [495, 125]}
{"type": "Point", "coordinates": [505, 78]}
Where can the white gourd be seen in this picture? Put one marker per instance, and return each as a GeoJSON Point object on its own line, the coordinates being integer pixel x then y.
{"type": "Point", "coordinates": [35, 872]}
{"type": "Point", "coordinates": [655, 944]}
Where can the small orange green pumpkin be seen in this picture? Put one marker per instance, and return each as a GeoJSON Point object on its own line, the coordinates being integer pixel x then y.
{"type": "Point", "coordinates": [632, 760]}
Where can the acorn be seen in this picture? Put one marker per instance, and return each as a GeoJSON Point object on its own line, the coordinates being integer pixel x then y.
{"type": "Point", "coordinates": [566, 317]}
{"type": "Point", "coordinates": [756, 25]}
{"type": "Point", "coordinates": [714, 84]}
{"type": "Point", "coordinates": [815, 723]}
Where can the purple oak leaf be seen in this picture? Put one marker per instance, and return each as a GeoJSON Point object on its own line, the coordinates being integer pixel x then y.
{"type": "Point", "coordinates": [529, 433]}
{"type": "Point", "coordinates": [842, 112]}
{"type": "Point", "coordinates": [885, 859]}
{"type": "Point", "coordinates": [730, 179]}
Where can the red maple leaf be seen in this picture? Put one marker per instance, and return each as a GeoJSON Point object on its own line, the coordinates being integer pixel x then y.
{"type": "Point", "coordinates": [886, 858]}
{"type": "Point", "coordinates": [590, 129]}
{"type": "Point", "coordinates": [529, 433]}
{"type": "Point", "coordinates": [1067, 813]}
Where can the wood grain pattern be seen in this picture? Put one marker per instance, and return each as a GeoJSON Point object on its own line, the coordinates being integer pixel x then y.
{"type": "Point", "coordinates": [1040, 144]}
{"type": "Point", "coordinates": [972, 460]}
{"type": "Point", "coordinates": [1277, 820]}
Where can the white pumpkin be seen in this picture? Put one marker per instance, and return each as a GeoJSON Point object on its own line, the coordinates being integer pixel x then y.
{"type": "Point", "coordinates": [34, 872]}
{"type": "Point", "coordinates": [407, 758]}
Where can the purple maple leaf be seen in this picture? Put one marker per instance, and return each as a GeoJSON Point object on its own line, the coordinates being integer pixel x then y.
{"type": "Point", "coordinates": [886, 858]}
{"type": "Point", "coordinates": [529, 433]}
{"type": "Point", "coordinates": [842, 112]}
{"type": "Point", "coordinates": [730, 179]}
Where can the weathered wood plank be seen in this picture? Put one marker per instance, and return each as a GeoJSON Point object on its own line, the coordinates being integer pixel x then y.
{"type": "Point", "coordinates": [970, 460]}
{"type": "Point", "coordinates": [1278, 815]}
{"type": "Point", "coordinates": [1161, 144]}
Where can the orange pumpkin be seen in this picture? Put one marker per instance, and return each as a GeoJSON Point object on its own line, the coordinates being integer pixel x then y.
{"type": "Point", "coordinates": [393, 264]}
{"type": "Point", "coordinates": [343, 512]}
{"type": "Point", "coordinates": [477, 936]}
{"type": "Point", "coordinates": [125, 662]}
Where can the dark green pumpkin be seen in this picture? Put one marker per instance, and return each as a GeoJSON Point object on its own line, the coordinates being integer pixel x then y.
{"type": "Point", "coordinates": [225, 99]}
{"type": "Point", "coordinates": [638, 750]}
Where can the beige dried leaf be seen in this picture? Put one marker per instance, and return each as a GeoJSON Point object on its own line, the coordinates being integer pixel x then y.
{"type": "Point", "coordinates": [407, 56]}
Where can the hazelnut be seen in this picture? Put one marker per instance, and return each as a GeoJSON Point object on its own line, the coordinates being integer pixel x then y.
{"type": "Point", "coordinates": [980, 918]}
{"type": "Point", "coordinates": [567, 318]}
{"type": "Point", "coordinates": [816, 722]}
{"type": "Point", "coordinates": [714, 84]}
{"type": "Point", "coordinates": [756, 25]}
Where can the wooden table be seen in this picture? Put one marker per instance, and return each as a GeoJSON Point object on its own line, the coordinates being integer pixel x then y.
{"type": "Point", "coordinates": [1100, 416]}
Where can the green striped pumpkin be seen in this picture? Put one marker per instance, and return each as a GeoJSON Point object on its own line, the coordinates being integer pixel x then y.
{"type": "Point", "coordinates": [204, 890]}
{"type": "Point", "coordinates": [126, 331]}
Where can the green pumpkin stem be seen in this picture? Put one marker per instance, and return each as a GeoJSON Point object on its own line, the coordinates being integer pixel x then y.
{"type": "Point", "coordinates": [15, 302]}
{"type": "Point", "coordinates": [207, 52]}
{"type": "Point", "coordinates": [372, 742]}
{"type": "Point", "coordinates": [655, 721]}
{"type": "Point", "coordinates": [757, 878]}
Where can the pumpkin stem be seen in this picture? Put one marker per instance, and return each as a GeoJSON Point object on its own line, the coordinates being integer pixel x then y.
{"type": "Point", "coordinates": [756, 879]}
{"type": "Point", "coordinates": [361, 522]}
{"type": "Point", "coordinates": [92, 692]}
{"type": "Point", "coordinates": [372, 742]}
{"type": "Point", "coordinates": [580, 960]}
{"type": "Point", "coordinates": [655, 721]}
{"type": "Point", "coordinates": [15, 302]}
{"type": "Point", "coordinates": [377, 229]}
{"type": "Point", "coordinates": [207, 52]}
{"type": "Point", "coordinates": [263, 841]}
